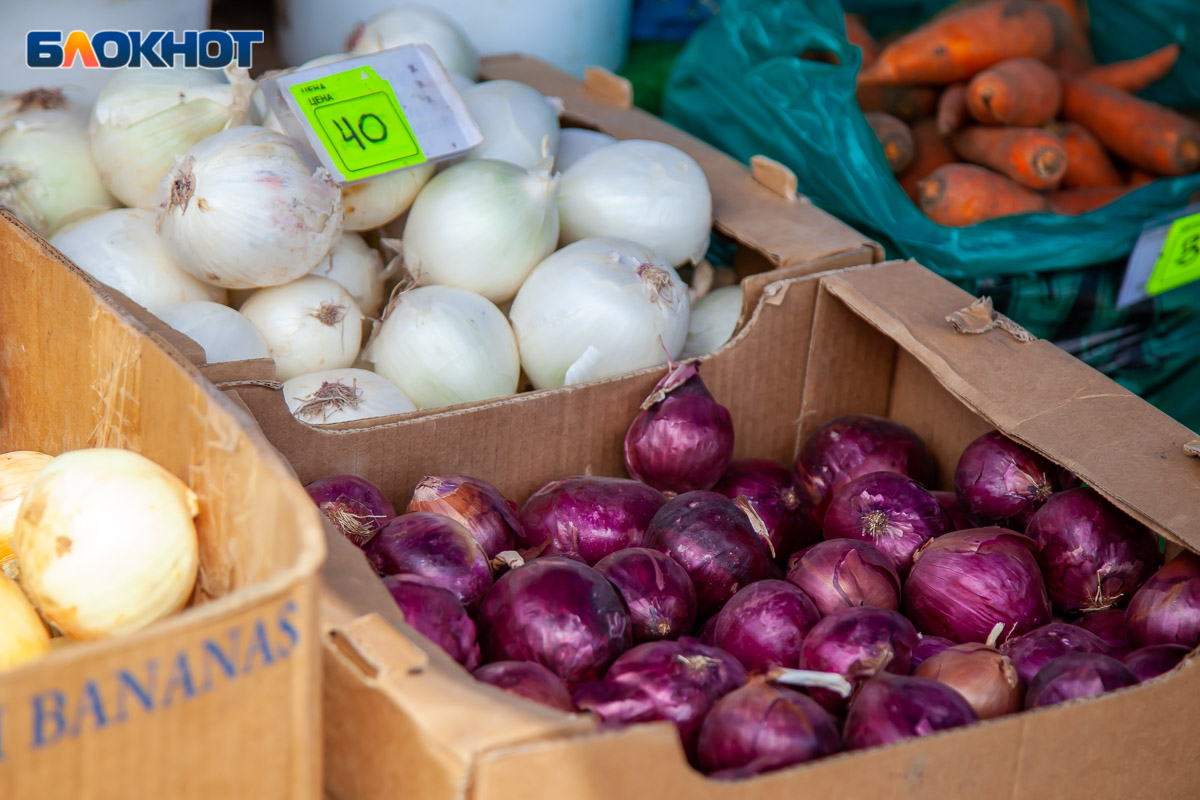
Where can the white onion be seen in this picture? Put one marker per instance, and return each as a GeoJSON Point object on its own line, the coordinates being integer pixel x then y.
{"type": "Point", "coordinates": [47, 175]}
{"type": "Point", "coordinates": [224, 334]}
{"type": "Point", "coordinates": [240, 210]}
{"type": "Point", "coordinates": [121, 249]}
{"type": "Point", "coordinates": [380, 200]}
{"type": "Point", "coordinates": [145, 119]}
{"type": "Point", "coordinates": [518, 123]}
{"type": "Point", "coordinates": [713, 319]}
{"type": "Point", "coordinates": [343, 395]}
{"type": "Point", "coordinates": [461, 82]}
{"type": "Point", "coordinates": [596, 308]}
{"type": "Point", "coordinates": [444, 346]}
{"type": "Point", "coordinates": [648, 192]}
{"type": "Point", "coordinates": [575, 143]}
{"type": "Point", "coordinates": [481, 225]}
{"type": "Point", "coordinates": [358, 267]}
{"type": "Point", "coordinates": [309, 325]}
{"type": "Point", "coordinates": [414, 25]}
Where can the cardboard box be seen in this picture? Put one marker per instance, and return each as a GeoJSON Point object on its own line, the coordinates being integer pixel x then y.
{"type": "Point", "coordinates": [401, 719]}
{"type": "Point", "coordinates": [220, 700]}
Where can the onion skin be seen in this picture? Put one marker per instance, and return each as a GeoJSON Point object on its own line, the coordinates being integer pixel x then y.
{"type": "Point", "coordinates": [1077, 675]}
{"type": "Point", "coordinates": [963, 583]}
{"type": "Point", "coordinates": [707, 633]}
{"type": "Point", "coordinates": [985, 678]}
{"type": "Point", "coordinates": [682, 439]}
{"type": "Point", "coordinates": [714, 542]}
{"type": "Point", "coordinates": [887, 510]}
{"type": "Point", "coordinates": [434, 547]}
{"type": "Point", "coordinates": [856, 444]}
{"type": "Point", "coordinates": [957, 520]}
{"type": "Point", "coordinates": [857, 643]}
{"type": "Point", "coordinates": [1092, 556]}
{"type": "Point", "coordinates": [1154, 660]}
{"type": "Point", "coordinates": [529, 680]}
{"type": "Point", "coordinates": [760, 727]}
{"type": "Point", "coordinates": [999, 482]}
{"type": "Point", "coordinates": [928, 647]}
{"type": "Point", "coordinates": [436, 614]}
{"type": "Point", "coordinates": [488, 516]}
{"type": "Point", "coordinates": [890, 708]}
{"type": "Point", "coordinates": [1034, 650]}
{"type": "Point", "coordinates": [764, 623]}
{"type": "Point", "coordinates": [772, 491]}
{"type": "Point", "coordinates": [658, 593]}
{"type": "Point", "coordinates": [587, 517]}
{"type": "Point", "coordinates": [844, 573]}
{"type": "Point", "coordinates": [1109, 627]}
{"type": "Point", "coordinates": [559, 613]}
{"type": "Point", "coordinates": [1166, 610]}
{"type": "Point", "coordinates": [355, 506]}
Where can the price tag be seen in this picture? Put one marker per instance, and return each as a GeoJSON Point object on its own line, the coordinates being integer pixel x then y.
{"type": "Point", "coordinates": [1165, 256]}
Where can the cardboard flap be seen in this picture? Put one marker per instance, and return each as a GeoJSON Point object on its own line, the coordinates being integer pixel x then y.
{"type": "Point", "coordinates": [775, 176]}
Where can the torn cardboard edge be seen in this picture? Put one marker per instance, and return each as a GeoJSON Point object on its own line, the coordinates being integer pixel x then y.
{"type": "Point", "coordinates": [608, 86]}
{"type": "Point", "coordinates": [981, 317]}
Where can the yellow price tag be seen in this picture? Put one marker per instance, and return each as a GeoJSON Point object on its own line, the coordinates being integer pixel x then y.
{"type": "Point", "coordinates": [1179, 262]}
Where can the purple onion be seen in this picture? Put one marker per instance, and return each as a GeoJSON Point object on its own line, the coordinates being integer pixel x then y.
{"type": "Point", "coordinates": [1034, 650]}
{"type": "Point", "coordinates": [927, 648]}
{"type": "Point", "coordinates": [707, 633]}
{"type": "Point", "coordinates": [843, 573]}
{"type": "Point", "coordinates": [760, 727]}
{"type": "Point", "coordinates": [763, 624]}
{"type": "Point", "coordinates": [1109, 627]}
{"type": "Point", "coordinates": [488, 516]}
{"type": "Point", "coordinates": [964, 583]}
{"type": "Point", "coordinates": [658, 593]}
{"type": "Point", "coordinates": [857, 643]}
{"type": "Point", "coordinates": [1153, 660]}
{"type": "Point", "coordinates": [559, 613]}
{"type": "Point", "coordinates": [1092, 556]}
{"type": "Point", "coordinates": [436, 614]}
{"type": "Point", "coordinates": [772, 491]}
{"type": "Point", "coordinates": [889, 708]}
{"type": "Point", "coordinates": [854, 445]}
{"type": "Point", "coordinates": [682, 439]}
{"type": "Point", "coordinates": [529, 680]}
{"type": "Point", "coordinates": [587, 517]}
{"type": "Point", "coordinates": [355, 506]}
{"type": "Point", "coordinates": [957, 521]}
{"type": "Point", "coordinates": [999, 482]}
{"type": "Point", "coordinates": [714, 542]}
{"type": "Point", "coordinates": [1077, 675]}
{"type": "Point", "coordinates": [434, 547]}
{"type": "Point", "coordinates": [1166, 610]}
{"type": "Point", "coordinates": [887, 510]}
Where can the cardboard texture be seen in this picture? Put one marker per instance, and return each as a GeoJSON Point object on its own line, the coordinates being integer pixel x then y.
{"type": "Point", "coordinates": [220, 700]}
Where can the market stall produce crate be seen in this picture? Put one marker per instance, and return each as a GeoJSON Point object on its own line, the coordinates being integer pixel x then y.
{"type": "Point", "coordinates": [402, 718]}
{"type": "Point", "coordinates": [221, 699]}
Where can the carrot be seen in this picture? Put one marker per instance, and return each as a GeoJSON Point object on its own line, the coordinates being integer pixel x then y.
{"type": "Point", "coordinates": [958, 45]}
{"type": "Point", "coordinates": [896, 138]}
{"type": "Point", "coordinates": [908, 103]}
{"type": "Point", "coordinates": [1030, 156]}
{"type": "Point", "coordinates": [930, 151]}
{"type": "Point", "coordinates": [952, 109]}
{"type": "Point", "coordinates": [1145, 134]}
{"type": "Point", "coordinates": [1075, 53]}
{"type": "Point", "coordinates": [1139, 177]}
{"type": "Point", "coordinates": [1080, 201]}
{"type": "Point", "coordinates": [1088, 164]}
{"type": "Point", "coordinates": [1138, 73]}
{"type": "Point", "coordinates": [1019, 91]}
{"type": "Point", "coordinates": [963, 194]}
{"type": "Point", "coordinates": [861, 38]}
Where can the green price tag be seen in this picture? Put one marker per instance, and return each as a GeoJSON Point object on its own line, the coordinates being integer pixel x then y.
{"type": "Point", "coordinates": [1179, 263]}
{"type": "Point", "coordinates": [356, 116]}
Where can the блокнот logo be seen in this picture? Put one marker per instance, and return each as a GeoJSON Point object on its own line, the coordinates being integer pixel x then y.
{"type": "Point", "coordinates": [116, 49]}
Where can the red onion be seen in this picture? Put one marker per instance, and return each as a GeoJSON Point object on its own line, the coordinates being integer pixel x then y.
{"type": "Point", "coordinates": [529, 680]}
{"type": "Point", "coordinates": [889, 708]}
{"type": "Point", "coordinates": [1034, 650]}
{"type": "Point", "coordinates": [857, 444]}
{"type": "Point", "coordinates": [964, 583]}
{"type": "Point", "coordinates": [887, 510]}
{"type": "Point", "coordinates": [985, 678]}
{"type": "Point", "coordinates": [949, 503]}
{"type": "Point", "coordinates": [587, 517]}
{"type": "Point", "coordinates": [658, 593]}
{"type": "Point", "coordinates": [714, 542]}
{"type": "Point", "coordinates": [435, 547]}
{"type": "Point", "coordinates": [436, 614]}
{"type": "Point", "coordinates": [928, 647]}
{"type": "Point", "coordinates": [1077, 675]}
{"type": "Point", "coordinates": [682, 439]}
{"type": "Point", "coordinates": [707, 634]}
{"type": "Point", "coordinates": [760, 727]}
{"type": "Point", "coordinates": [1092, 556]}
{"type": "Point", "coordinates": [843, 573]}
{"type": "Point", "coordinates": [1166, 610]}
{"type": "Point", "coordinates": [1109, 627]}
{"type": "Point", "coordinates": [772, 491]}
{"type": "Point", "coordinates": [763, 624]}
{"type": "Point", "coordinates": [476, 505]}
{"type": "Point", "coordinates": [355, 506]}
{"type": "Point", "coordinates": [999, 482]}
{"type": "Point", "coordinates": [559, 613]}
{"type": "Point", "coordinates": [857, 643]}
{"type": "Point", "coordinates": [1153, 660]}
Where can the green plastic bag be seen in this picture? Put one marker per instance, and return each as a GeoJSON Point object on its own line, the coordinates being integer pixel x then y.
{"type": "Point", "coordinates": [741, 85]}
